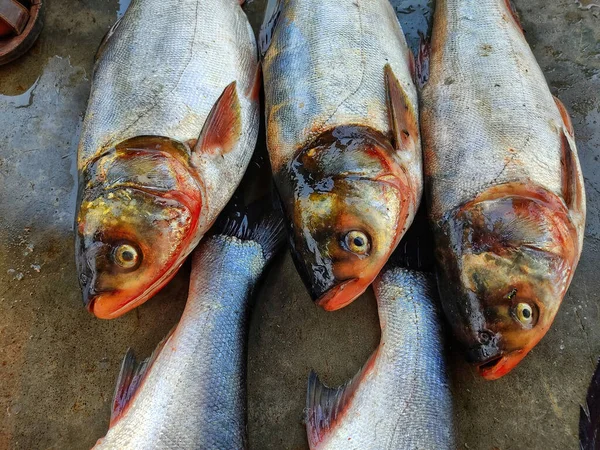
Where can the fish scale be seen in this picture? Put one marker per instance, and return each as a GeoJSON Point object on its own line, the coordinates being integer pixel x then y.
{"type": "Point", "coordinates": [194, 395]}
{"type": "Point", "coordinates": [487, 75]}
{"type": "Point", "coordinates": [343, 138]}
{"type": "Point", "coordinates": [171, 124]}
{"type": "Point", "coordinates": [505, 188]}
{"type": "Point", "coordinates": [401, 399]}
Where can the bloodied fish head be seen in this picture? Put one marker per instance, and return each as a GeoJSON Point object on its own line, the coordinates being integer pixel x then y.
{"type": "Point", "coordinates": [505, 260]}
{"type": "Point", "coordinates": [348, 204]}
{"type": "Point", "coordinates": [137, 220]}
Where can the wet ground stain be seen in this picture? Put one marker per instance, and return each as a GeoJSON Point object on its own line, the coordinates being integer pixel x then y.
{"type": "Point", "coordinates": [59, 364]}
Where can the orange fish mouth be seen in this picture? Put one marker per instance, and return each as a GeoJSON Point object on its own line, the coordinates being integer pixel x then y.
{"type": "Point", "coordinates": [113, 304]}
{"type": "Point", "coordinates": [341, 295]}
{"type": "Point", "coordinates": [499, 366]}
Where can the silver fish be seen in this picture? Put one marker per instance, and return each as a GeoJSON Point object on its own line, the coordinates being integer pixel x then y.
{"type": "Point", "coordinates": [191, 393]}
{"type": "Point", "coordinates": [507, 199]}
{"type": "Point", "coordinates": [343, 138]}
{"type": "Point", "coordinates": [401, 398]}
{"type": "Point", "coordinates": [171, 125]}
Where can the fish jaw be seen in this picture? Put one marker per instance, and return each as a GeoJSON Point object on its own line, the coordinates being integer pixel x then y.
{"type": "Point", "coordinates": [505, 262]}
{"type": "Point", "coordinates": [342, 295]}
{"type": "Point", "coordinates": [348, 202]}
{"type": "Point", "coordinates": [139, 200]}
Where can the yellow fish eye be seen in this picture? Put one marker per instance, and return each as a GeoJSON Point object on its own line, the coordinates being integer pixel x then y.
{"type": "Point", "coordinates": [524, 313]}
{"type": "Point", "coordinates": [357, 242]}
{"type": "Point", "coordinates": [126, 256]}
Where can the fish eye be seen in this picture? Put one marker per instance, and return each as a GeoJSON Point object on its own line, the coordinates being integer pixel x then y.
{"type": "Point", "coordinates": [525, 314]}
{"type": "Point", "coordinates": [126, 256]}
{"type": "Point", "coordinates": [357, 242]}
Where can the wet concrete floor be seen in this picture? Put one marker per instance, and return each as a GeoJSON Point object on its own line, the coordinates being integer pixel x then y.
{"type": "Point", "coordinates": [58, 364]}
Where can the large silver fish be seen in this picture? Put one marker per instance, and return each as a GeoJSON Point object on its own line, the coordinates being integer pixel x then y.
{"type": "Point", "coordinates": [171, 125]}
{"type": "Point", "coordinates": [192, 393]}
{"type": "Point", "coordinates": [343, 138]}
{"type": "Point", "coordinates": [401, 398]}
{"type": "Point", "coordinates": [506, 192]}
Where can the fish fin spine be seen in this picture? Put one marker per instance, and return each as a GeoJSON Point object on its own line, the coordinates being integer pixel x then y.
{"type": "Point", "coordinates": [272, 14]}
{"type": "Point", "coordinates": [402, 115]}
{"type": "Point", "coordinates": [223, 126]}
{"type": "Point", "coordinates": [131, 376]}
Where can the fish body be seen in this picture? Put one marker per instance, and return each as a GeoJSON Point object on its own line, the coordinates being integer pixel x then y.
{"type": "Point", "coordinates": [505, 189]}
{"type": "Point", "coordinates": [343, 138]}
{"type": "Point", "coordinates": [401, 398]}
{"type": "Point", "coordinates": [192, 392]}
{"type": "Point", "coordinates": [171, 124]}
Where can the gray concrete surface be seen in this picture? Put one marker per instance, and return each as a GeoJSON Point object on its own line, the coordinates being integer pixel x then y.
{"type": "Point", "coordinates": [58, 364]}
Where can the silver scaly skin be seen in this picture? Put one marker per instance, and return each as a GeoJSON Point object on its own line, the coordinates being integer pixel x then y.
{"type": "Point", "coordinates": [343, 138]}
{"type": "Point", "coordinates": [401, 399]}
{"type": "Point", "coordinates": [161, 71]}
{"type": "Point", "coordinates": [171, 125]}
{"type": "Point", "coordinates": [194, 393]}
{"type": "Point", "coordinates": [506, 192]}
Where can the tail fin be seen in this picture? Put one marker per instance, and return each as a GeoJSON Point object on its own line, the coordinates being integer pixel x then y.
{"type": "Point", "coordinates": [416, 249]}
{"type": "Point", "coordinates": [257, 222]}
{"type": "Point", "coordinates": [589, 416]}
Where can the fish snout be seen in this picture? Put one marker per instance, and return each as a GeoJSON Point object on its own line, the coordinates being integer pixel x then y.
{"type": "Point", "coordinates": [486, 349]}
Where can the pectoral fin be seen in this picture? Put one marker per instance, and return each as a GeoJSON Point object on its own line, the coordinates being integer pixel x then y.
{"type": "Point", "coordinates": [566, 118]}
{"type": "Point", "coordinates": [402, 115]}
{"type": "Point", "coordinates": [325, 405]}
{"type": "Point", "coordinates": [572, 180]}
{"type": "Point", "coordinates": [130, 378]}
{"type": "Point", "coordinates": [223, 126]}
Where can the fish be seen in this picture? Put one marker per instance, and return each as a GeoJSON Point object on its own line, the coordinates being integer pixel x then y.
{"type": "Point", "coordinates": [343, 137]}
{"type": "Point", "coordinates": [589, 415]}
{"type": "Point", "coordinates": [191, 393]}
{"type": "Point", "coordinates": [171, 124]}
{"type": "Point", "coordinates": [401, 398]}
{"type": "Point", "coordinates": [504, 185]}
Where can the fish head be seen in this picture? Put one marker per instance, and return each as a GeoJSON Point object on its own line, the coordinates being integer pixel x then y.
{"type": "Point", "coordinates": [504, 275]}
{"type": "Point", "coordinates": [347, 210]}
{"type": "Point", "coordinates": [136, 223]}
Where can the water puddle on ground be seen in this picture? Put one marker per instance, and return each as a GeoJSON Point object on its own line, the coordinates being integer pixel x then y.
{"type": "Point", "coordinates": [123, 5]}
{"type": "Point", "coordinates": [588, 4]}
{"type": "Point", "coordinates": [415, 18]}
{"type": "Point", "coordinates": [21, 100]}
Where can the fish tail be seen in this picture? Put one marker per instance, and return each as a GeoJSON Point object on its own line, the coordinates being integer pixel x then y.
{"type": "Point", "coordinates": [257, 222]}
{"type": "Point", "coordinates": [589, 416]}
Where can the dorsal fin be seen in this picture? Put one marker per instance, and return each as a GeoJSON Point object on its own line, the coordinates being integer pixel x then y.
{"type": "Point", "coordinates": [324, 405]}
{"type": "Point", "coordinates": [589, 416]}
{"type": "Point", "coordinates": [130, 378]}
{"type": "Point", "coordinates": [402, 115]}
{"type": "Point", "coordinates": [223, 126]}
{"type": "Point", "coordinates": [572, 186]}
{"type": "Point", "coordinates": [272, 14]}
{"type": "Point", "coordinates": [566, 118]}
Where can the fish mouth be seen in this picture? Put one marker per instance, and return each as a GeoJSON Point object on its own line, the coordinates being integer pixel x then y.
{"type": "Point", "coordinates": [114, 303]}
{"type": "Point", "coordinates": [341, 295]}
{"type": "Point", "coordinates": [499, 366]}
